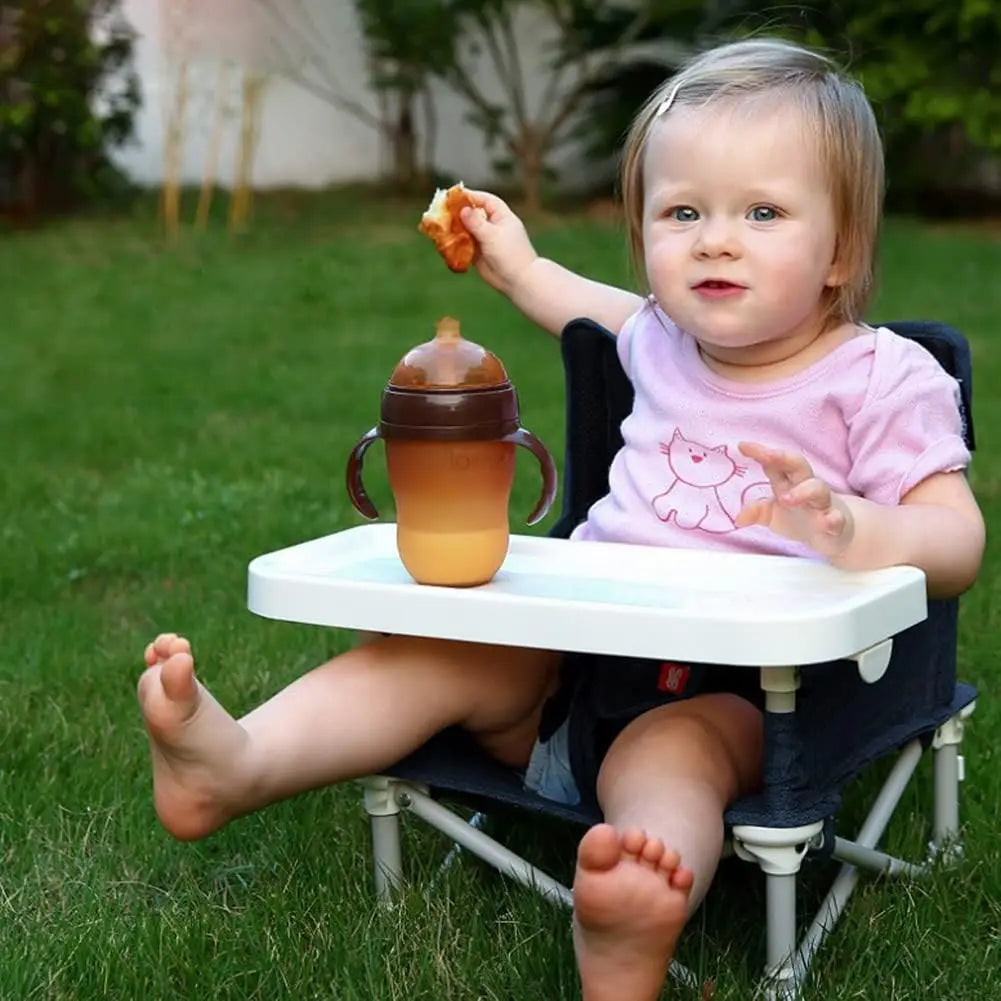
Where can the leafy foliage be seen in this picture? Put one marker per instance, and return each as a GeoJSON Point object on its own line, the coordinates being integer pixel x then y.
{"type": "Point", "coordinates": [525, 133]}
{"type": "Point", "coordinates": [929, 66]}
{"type": "Point", "coordinates": [405, 41]}
{"type": "Point", "coordinates": [933, 62]}
{"type": "Point", "coordinates": [67, 95]}
{"type": "Point", "coordinates": [931, 69]}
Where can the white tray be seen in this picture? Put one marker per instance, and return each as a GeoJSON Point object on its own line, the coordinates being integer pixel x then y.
{"type": "Point", "coordinates": [713, 607]}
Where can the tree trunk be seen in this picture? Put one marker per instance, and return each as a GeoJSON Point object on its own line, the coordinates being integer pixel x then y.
{"type": "Point", "coordinates": [530, 156]}
{"type": "Point", "coordinates": [403, 142]}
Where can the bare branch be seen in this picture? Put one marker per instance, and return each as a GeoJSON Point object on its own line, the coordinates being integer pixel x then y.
{"type": "Point", "coordinates": [323, 84]}
{"type": "Point", "coordinates": [517, 74]}
{"type": "Point", "coordinates": [459, 77]}
{"type": "Point", "coordinates": [588, 70]}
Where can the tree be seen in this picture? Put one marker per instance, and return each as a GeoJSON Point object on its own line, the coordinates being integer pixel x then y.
{"type": "Point", "coordinates": [527, 137]}
{"type": "Point", "coordinates": [402, 39]}
{"type": "Point", "coordinates": [463, 42]}
{"type": "Point", "coordinates": [405, 42]}
{"type": "Point", "coordinates": [929, 66]}
{"type": "Point", "coordinates": [67, 95]}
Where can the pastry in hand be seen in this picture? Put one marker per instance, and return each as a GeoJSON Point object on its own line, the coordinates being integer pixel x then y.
{"type": "Point", "coordinates": [441, 222]}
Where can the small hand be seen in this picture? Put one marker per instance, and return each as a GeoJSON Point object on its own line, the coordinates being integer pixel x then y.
{"type": "Point", "coordinates": [802, 507]}
{"type": "Point", "coordinates": [504, 250]}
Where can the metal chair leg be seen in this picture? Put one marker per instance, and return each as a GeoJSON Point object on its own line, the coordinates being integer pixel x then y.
{"type": "Point", "coordinates": [948, 775]}
{"type": "Point", "coordinates": [387, 856]}
{"type": "Point", "coordinates": [779, 852]}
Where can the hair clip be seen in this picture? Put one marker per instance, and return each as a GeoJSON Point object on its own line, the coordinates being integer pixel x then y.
{"type": "Point", "coordinates": [665, 105]}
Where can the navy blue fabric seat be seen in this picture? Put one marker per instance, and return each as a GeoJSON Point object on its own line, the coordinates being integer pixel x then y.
{"type": "Point", "coordinates": [841, 723]}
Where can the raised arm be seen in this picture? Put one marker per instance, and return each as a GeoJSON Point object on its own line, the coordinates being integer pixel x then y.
{"type": "Point", "coordinates": [546, 292]}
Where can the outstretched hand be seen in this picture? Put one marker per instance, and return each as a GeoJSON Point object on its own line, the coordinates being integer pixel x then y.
{"type": "Point", "coordinates": [802, 506]}
{"type": "Point", "coordinates": [504, 250]}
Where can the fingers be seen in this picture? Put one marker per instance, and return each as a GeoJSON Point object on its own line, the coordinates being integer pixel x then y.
{"type": "Point", "coordinates": [477, 225]}
{"type": "Point", "coordinates": [834, 522]}
{"type": "Point", "coordinates": [787, 468]}
{"type": "Point", "coordinates": [812, 493]}
{"type": "Point", "coordinates": [488, 207]}
{"type": "Point", "coordinates": [758, 512]}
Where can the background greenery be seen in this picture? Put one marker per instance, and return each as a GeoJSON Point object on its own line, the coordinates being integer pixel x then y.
{"type": "Point", "coordinates": [67, 97]}
{"type": "Point", "coordinates": [68, 91]}
{"type": "Point", "coordinates": [168, 414]}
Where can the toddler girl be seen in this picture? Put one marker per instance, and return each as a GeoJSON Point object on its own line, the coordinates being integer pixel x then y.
{"type": "Point", "coordinates": [768, 418]}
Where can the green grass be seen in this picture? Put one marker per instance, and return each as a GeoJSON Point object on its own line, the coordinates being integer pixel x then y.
{"type": "Point", "coordinates": [166, 414]}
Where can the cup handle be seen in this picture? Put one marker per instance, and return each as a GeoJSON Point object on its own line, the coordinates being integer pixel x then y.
{"type": "Point", "coordinates": [356, 490]}
{"type": "Point", "coordinates": [535, 446]}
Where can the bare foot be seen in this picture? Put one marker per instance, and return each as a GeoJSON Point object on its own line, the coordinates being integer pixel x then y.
{"type": "Point", "coordinates": [196, 746]}
{"type": "Point", "coordinates": [630, 899]}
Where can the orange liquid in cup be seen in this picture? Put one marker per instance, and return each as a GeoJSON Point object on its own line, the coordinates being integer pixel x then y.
{"type": "Point", "coordinates": [451, 508]}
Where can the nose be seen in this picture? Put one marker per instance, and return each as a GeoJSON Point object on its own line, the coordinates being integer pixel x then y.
{"type": "Point", "coordinates": [716, 237]}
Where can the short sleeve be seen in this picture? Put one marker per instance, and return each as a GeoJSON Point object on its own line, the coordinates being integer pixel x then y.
{"type": "Point", "coordinates": [624, 340]}
{"type": "Point", "coordinates": [634, 335]}
{"type": "Point", "coordinates": [909, 426]}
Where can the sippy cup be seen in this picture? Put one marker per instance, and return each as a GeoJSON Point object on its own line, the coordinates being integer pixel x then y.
{"type": "Point", "coordinates": [449, 418]}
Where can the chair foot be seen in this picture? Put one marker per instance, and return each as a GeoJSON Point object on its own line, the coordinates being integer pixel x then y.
{"type": "Point", "coordinates": [384, 814]}
{"type": "Point", "coordinates": [779, 852]}
{"type": "Point", "coordinates": [786, 988]}
{"type": "Point", "coordinates": [949, 772]}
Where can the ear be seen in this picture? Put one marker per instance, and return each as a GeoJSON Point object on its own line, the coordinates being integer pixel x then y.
{"type": "Point", "coordinates": [839, 273]}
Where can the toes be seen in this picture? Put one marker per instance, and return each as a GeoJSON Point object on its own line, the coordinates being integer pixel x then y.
{"type": "Point", "coordinates": [174, 678]}
{"type": "Point", "coordinates": [600, 848]}
{"type": "Point", "coordinates": [633, 840]}
{"type": "Point", "coordinates": [177, 675]}
{"type": "Point", "coordinates": [682, 879]}
{"type": "Point", "coordinates": [162, 643]}
{"type": "Point", "coordinates": [670, 860]}
{"type": "Point", "coordinates": [146, 679]}
{"type": "Point", "coordinates": [164, 646]}
{"type": "Point", "coordinates": [653, 851]}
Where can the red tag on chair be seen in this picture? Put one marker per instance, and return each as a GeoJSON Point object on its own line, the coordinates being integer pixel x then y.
{"type": "Point", "coordinates": [673, 677]}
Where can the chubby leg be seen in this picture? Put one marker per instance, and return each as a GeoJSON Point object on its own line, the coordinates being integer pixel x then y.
{"type": "Point", "coordinates": [663, 787]}
{"type": "Point", "coordinates": [351, 716]}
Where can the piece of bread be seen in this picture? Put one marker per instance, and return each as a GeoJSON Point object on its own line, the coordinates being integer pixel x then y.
{"type": "Point", "coordinates": [441, 222]}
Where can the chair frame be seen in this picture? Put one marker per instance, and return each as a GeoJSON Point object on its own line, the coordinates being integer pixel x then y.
{"type": "Point", "coordinates": [778, 851]}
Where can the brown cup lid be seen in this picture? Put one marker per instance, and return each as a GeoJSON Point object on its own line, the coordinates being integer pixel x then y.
{"type": "Point", "coordinates": [448, 362]}
{"type": "Point", "coordinates": [449, 389]}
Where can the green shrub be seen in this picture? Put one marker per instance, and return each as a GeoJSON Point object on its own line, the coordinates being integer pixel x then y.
{"type": "Point", "coordinates": [67, 96]}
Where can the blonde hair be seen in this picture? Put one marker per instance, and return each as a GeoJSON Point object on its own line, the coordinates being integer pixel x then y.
{"type": "Point", "coordinates": [837, 114]}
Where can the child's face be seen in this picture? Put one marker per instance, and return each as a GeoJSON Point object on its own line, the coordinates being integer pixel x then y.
{"type": "Point", "coordinates": [738, 228]}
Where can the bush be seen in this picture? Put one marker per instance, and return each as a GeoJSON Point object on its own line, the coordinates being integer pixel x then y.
{"type": "Point", "coordinates": [67, 96]}
{"type": "Point", "coordinates": [930, 68]}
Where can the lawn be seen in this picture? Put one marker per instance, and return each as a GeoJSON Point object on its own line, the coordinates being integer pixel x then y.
{"type": "Point", "coordinates": [167, 414]}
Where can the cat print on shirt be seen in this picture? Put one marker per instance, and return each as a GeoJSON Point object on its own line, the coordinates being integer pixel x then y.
{"type": "Point", "coordinates": [693, 497]}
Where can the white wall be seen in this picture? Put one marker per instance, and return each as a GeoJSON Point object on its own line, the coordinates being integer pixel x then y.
{"type": "Point", "coordinates": [304, 141]}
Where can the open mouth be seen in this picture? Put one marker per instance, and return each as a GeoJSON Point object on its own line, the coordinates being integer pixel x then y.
{"type": "Point", "coordinates": [717, 285]}
{"type": "Point", "coordinates": [718, 288]}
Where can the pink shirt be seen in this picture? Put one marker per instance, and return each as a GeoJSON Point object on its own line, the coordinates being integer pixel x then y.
{"type": "Point", "coordinates": [873, 418]}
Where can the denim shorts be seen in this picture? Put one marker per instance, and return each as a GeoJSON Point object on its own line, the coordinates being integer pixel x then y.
{"type": "Point", "coordinates": [598, 696]}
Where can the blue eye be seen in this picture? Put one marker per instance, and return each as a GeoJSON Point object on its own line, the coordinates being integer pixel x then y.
{"type": "Point", "coordinates": [683, 213]}
{"type": "Point", "coordinates": [763, 213]}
